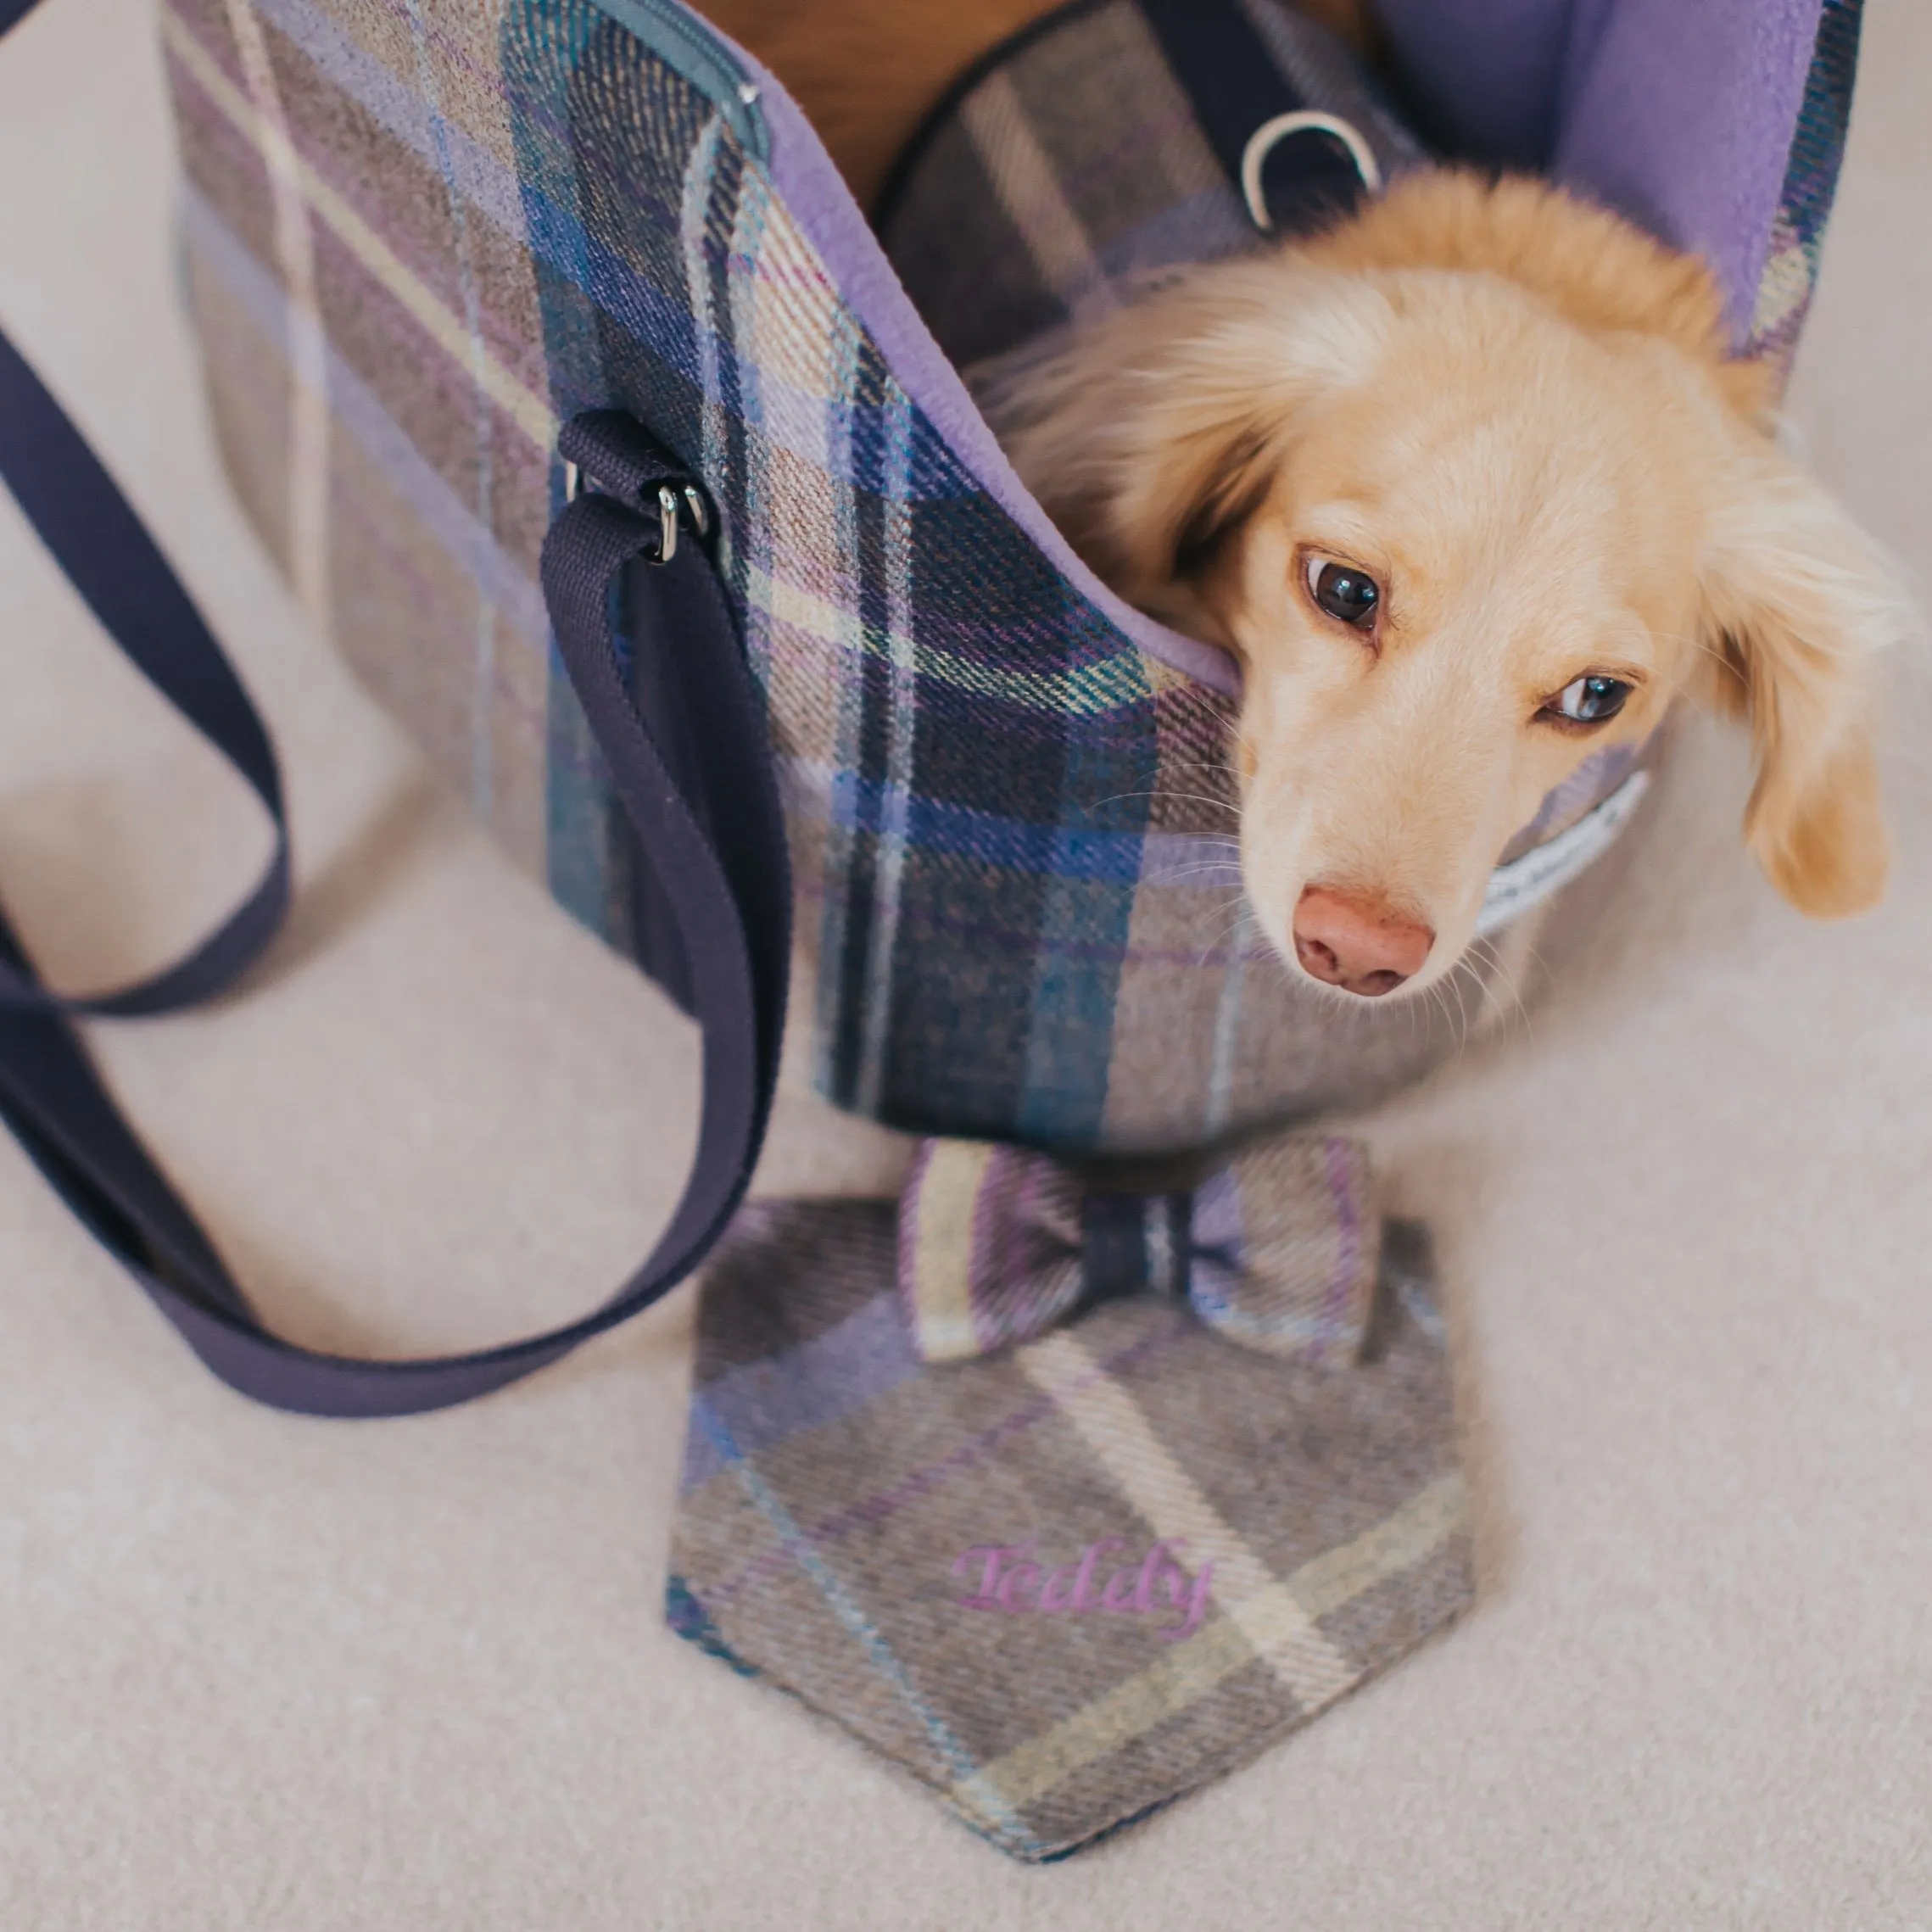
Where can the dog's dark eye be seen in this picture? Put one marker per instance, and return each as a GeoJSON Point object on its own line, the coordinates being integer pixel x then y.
{"type": "Point", "coordinates": [1343, 591]}
{"type": "Point", "coordinates": [1589, 700]}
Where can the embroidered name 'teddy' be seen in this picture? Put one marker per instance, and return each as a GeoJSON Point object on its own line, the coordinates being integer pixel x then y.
{"type": "Point", "coordinates": [1010, 1580]}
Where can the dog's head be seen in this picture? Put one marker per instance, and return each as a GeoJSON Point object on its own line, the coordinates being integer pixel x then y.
{"type": "Point", "coordinates": [1470, 492]}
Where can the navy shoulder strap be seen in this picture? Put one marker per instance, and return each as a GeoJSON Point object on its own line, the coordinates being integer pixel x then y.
{"type": "Point", "coordinates": [709, 831]}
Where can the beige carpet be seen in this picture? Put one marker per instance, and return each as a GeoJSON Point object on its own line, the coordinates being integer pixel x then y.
{"type": "Point", "coordinates": [257, 1673]}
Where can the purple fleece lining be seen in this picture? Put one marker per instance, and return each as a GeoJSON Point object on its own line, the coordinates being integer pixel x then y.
{"type": "Point", "coordinates": [1681, 119]}
{"type": "Point", "coordinates": [1677, 113]}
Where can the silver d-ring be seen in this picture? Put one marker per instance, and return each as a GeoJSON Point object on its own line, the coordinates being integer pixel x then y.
{"type": "Point", "coordinates": [668, 507]}
{"type": "Point", "coordinates": [1266, 138]}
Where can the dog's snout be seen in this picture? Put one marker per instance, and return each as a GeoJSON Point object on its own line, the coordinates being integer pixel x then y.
{"type": "Point", "coordinates": [1357, 944]}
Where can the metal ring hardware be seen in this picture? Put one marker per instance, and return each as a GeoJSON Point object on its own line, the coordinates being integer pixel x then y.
{"type": "Point", "coordinates": [677, 504]}
{"type": "Point", "coordinates": [1271, 133]}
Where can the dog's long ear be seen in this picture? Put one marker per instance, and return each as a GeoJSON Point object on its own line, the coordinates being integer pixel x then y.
{"type": "Point", "coordinates": [1147, 435]}
{"type": "Point", "coordinates": [1797, 602]}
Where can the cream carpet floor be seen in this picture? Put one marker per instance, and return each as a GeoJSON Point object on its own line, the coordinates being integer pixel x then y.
{"type": "Point", "coordinates": [258, 1672]}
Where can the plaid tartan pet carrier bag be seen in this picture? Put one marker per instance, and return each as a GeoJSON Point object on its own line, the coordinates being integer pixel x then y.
{"type": "Point", "coordinates": [592, 421]}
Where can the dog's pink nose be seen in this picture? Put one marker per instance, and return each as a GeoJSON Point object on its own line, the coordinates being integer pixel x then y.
{"type": "Point", "coordinates": [1356, 943]}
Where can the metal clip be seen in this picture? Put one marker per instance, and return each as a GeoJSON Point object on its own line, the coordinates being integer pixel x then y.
{"type": "Point", "coordinates": [667, 508]}
{"type": "Point", "coordinates": [677, 503]}
{"type": "Point", "coordinates": [1271, 133]}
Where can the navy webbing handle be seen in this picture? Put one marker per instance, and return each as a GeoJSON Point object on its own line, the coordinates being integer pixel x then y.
{"type": "Point", "coordinates": [81, 518]}
{"type": "Point", "coordinates": [709, 828]}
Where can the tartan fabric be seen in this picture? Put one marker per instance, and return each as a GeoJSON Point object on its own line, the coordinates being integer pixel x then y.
{"type": "Point", "coordinates": [1811, 181]}
{"type": "Point", "coordinates": [1073, 171]}
{"type": "Point", "coordinates": [419, 232]}
{"type": "Point", "coordinates": [1061, 1585]}
{"type": "Point", "coordinates": [1277, 1250]}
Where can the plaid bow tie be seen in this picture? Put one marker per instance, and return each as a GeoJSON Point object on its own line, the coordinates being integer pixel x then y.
{"type": "Point", "coordinates": [1278, 1250]}
{"type": "Point", "coordinates": [1070, 1579]}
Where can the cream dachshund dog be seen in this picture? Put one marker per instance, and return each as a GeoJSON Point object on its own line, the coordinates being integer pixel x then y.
{"type": "Point", "coordinates": [1469, 485]}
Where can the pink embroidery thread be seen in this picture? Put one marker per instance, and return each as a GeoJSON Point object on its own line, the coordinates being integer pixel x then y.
{"type": "Point", "coordinates": [1010, 1581]}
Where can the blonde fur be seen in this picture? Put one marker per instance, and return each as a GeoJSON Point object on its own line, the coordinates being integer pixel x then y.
{"type": "Point", "coordinates": [1516, 411]}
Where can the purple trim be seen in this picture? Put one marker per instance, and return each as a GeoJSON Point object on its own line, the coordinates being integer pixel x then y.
{"type": "Point", "coordinates": [1678, 114]}
{"type": "Point", "coordinates": [818, 201]}
{"type": "Point", "coordinates": [1681, 116]}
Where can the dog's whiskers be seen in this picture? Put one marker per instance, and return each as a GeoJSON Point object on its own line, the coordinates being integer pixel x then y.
{"type": "Point", "coordinates": [1473, 970]}
{"type": "Point", "coordinates": [1243, 915]}
{"type": "Point", "coordinates": [1159, 796]}
{"type": "Point", "coordinates": [1493, 954]}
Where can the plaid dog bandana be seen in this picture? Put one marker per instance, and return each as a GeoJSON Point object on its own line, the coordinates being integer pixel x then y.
{"type": "Point", "coordinates": [1277, 1251]}
{"type": "Point", "coordinates": [1063, 1584]}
